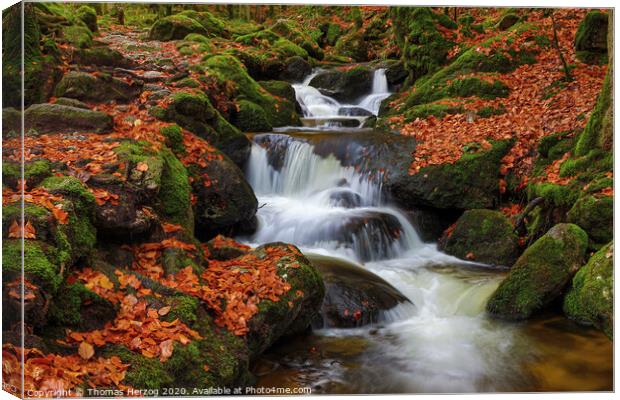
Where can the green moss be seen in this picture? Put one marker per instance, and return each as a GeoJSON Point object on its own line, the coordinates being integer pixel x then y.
{"type": "Point", "coordinates": [591, 38]}
{"type": "Point", "coordinates": [590, 300]}
{"type": "Point", "coordinates": [293, 32]}
{"type": "Point", "coordinates": [425, 110]}
{"type": "Point", "coordinates": [488, 111]}
{"type": "Point", "coordinates": [71, 187]}
{"type": "Point", "coordinates": [184, 308]}
{"type": "Point", "coordinates": [175, 27]}
{"type": "Point", "coordinates": [598, 130]}
{"type": "Point", "coordinates": [595, 216]}
{"type": "Point", "coordinates": [554, 195]}
{"type": "Point", "coordinates": [540, 274]}
{"type": "Point", "coordinates": [40, 264]}
{"type": "Point", "coordinates": [79, 36]}
{"type": "Point", "coordinates": [88, 15]}
{"type": "Point", "coordinates": [143, 373]}
{"type": "Point", "coordinates": [174, 193]}
{"type": "Point", "coordinates": [174, 138]}
{"type": "Point", "coordinates": [197, 37]}
{"type": "Point", "coordinates": [486, 234]}
{"type": "Point", "coordinates": [286, 48]}
{"type": "Point", "coordinates": [424, 48]}
{"type": "Point", "coordinates": [251, 118]}
{"type": "Point", "coordinates": [11, 170]}
{"type": "Point", "coordinates": [213, 25]}
{"type": "Point", "coordinates": [66, 308]}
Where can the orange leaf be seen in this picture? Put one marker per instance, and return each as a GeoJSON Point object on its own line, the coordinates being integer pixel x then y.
{"type": "Point", "coordinates": [86, 350]}
{"type": "Point", "coordinates": [164, 310]}
{"type": "Point", "coordinates": [142, 166]}
{"type": "Point", "coordinates": [166, 349]}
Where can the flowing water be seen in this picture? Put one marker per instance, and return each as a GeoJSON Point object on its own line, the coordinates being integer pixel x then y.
{"type": "Point", "coordinates": [445, 342]}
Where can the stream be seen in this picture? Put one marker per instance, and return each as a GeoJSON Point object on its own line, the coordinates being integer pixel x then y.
{"type": "Point", "coordinates": [441, 342]}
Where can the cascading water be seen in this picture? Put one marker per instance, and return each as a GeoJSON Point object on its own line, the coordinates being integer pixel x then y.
{"type": "Point", "coordinates": [322, 111]}
{"type": "Point", "coordinates": [443, 344]}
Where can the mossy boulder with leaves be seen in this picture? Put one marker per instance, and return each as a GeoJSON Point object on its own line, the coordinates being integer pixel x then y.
{"type": "Point", "coordinates": [175, 27]}
{"type": "Point", "coordinates": [540, 274]}
{"type": "Point", "coordinates": [591, 38]}
{"type": "Point", "coordinates": [595, 216]}
{"type": "Point", "coordinates": [590, 301]}
{"type": "Point", "coordinates": [56, 118]}
{"type": "Point", "coordinates": [484, 236]}
{"type": "Point", "coordinates": [87, 87]}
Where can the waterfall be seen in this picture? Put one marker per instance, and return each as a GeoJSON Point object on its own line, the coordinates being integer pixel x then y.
{"type": "Point", "coordinates": [323, 111]}
{"type": "Point", "coordinates": [315, 202]}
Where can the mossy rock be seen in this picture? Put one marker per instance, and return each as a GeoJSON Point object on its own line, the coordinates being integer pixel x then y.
{"type": "Point", "coordinates": [507, 21]}
{"type": "Point", "coordinates": [295, 310]}
{"type": "Point", "coordinates": [197, 37]}
{"type": "Point", "coordinates": [280, 89]}
{"type": "Point", "coordinates": [471, 182]}
{"type": "Point", "coordinates": [213, 25]}
{"type": "Point", "coordinates": [80, 309]}
{"type": "Point", "coordinates": [194, 112]}
{"type": "Point", "coordinates": [590, 301]}
{"type": "Point", "coordinates": [595, 215]}
{"type": "Point", "coordinates": [424, 47]}
{"type": "Point", "coordinates": [353, 45]}
{"type": "Point", "coordinates": [292, 31]}
{"type": "Point", "coordinates": [79, 36]}
{"type": "Point", "coordinates": [591, 38]}
{"type": "Point", "coordinates": [88, 15]}
{"type": "Point", "coordinates": [250, 117]}
{"type": "Point", "coordinates": [541, 273]}
{"type": "Point", "coordinates": [41, 263]}
{"type": "Point", "coordinates": [101, 56]}
{"type": "Point", "coordinates": [11, 122]}
{"type": "Point", "coordinates": [426, 110]}
{"type": "Point", "coordinates": [598, 132]}
{"type": "Point", "coordinates": [175, 27]}
{"type": "Point", "coordinates": [34, 172]}
{"type": "Point", "coordinates": [86, 87]}
{"type": "Point", "coordinates": [344, 86]}
{"type": "Point", "coordinates": [486, 234]}
{"type": "Point", "coordinates": [174, 194]}
{"type": "Point", "coordinates": [56, 118]}
{"type": "Point", "coordinates": [65, 101]}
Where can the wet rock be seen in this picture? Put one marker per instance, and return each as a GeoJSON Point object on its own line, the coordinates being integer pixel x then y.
{"type": "Point", "coordinates": [295, 69]}
{"type": "Point", "coordinates": [11, 120]}
{"type": "Point", "coordinates": [484, 236]}
{"type": "Point", "coordinates": [590, 301]}
{"type": "Point", "coordinates": [430, 223]}
{"type": "Point", "coordinates": [222, 248]}
{"type": "Point", "coordinates": [56, 118]}
{"type": "Point", "coordinates": [469, 183]}
{"type": "Point", "coordinates": [295, 310]}
{"type": "Point", "coordinates": [354, 112]}
{"type": "Point", "coordinates": [344, 86]}
{"type": "Point", "coordinates": [541, 273]}
{"type": "Point", "coordinates": [345, 198]}
{"type": "Point", "coordinates": [86, 87]}
{"type": "Point", "coordinates": [353, 296]}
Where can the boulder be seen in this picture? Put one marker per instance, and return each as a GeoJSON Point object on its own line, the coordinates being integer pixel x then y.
{"type": "Point", "coordinates": [295, 69]}
{"type": "Point", "coordinates": [224, 201]}
{"type": "Point", "coordinates": [57, 118]}
{"type": "Point", "coordinates": [595, 215]}
{"type": "Point", "coordinates": [344, 86]}
{"type": "Point", "coordinates": [590, 301]}
{"type": "Point", "coordinates": [471, 182]}
{"type": "Point", "coordinates": [353, 45]}
{"type": "Point", "coordinates": [541, 273]}
{"type": "Point", "coordinates": [290, 30]}
{"type": "Point", "coordinates": [194, 112]}
{"type": "Point", "coordinates": [353, 296]}
{"type": "Point", "coordinates": [65, 101]}
{"type": "Point", "coordinates": [250, 117]}
{"type": "Point", "coordinates": [294, 311]}
{"type": "Point", "coordinates": [11, 120]}
{"type": "Point", "coordinates": [175, 27]}
{"type": "Point", "coordinates": [101, 56]}
{"type": "Point", "coordinates": [507, 21]}
{"type": "Point", "coordinates": [88, 15]}
{"type": "Point", "coordinates": [591, 38]}
{"type": "Point", "coordinates": [86, 87]}
{"type": "Point", "coordinates": [484, 236]}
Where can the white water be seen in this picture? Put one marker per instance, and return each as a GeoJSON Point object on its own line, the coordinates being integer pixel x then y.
{"type": "Point", "coordinates": [328, 111]}
{"type": "Point", "coordinates": [443, 344]}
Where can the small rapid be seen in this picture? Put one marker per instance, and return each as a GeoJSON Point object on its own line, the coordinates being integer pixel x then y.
{"type": "Point", "coordinates": [440, 342]}
{"type": "Point", "coordinates": [321, 111]}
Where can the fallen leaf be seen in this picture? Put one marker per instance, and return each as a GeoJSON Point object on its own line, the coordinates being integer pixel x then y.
{"type": "Point", "coordinates": [86, 350]}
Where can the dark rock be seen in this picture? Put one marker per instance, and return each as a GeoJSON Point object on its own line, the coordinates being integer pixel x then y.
{"type": "Point", "coordinates": [345, 198]}
{"type": "Point", "coordinates": [484, 236]}
{"type": "Point", "coordinates": [344, 86]}
{"type": "Point", "coordinates": [86, 87]}
{"type": "Point", "coordinates": [56, 118]}
{"type": "Point", "coordinates": [507, 21]}
{"type": "Point", "coordinates": [354, 112]}
{"type": "Point", "coordinates": [353, 296]}
{"type": "Point", "coordinates": [295, 69]}
{"type": "Point", "coordinates": [101, 56]}
{"type": "Point", "coordinates": [11, 121]}
{"type": "Point", "coordinates": [430, 223]}
{"type": "Point", "coordinates": [541, 273]}
{"type": "Point", "coordinates": [591, 38]}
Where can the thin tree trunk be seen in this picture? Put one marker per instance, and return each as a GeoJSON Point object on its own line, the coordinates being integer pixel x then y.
{"type": "Point", "coordinates": [556, 44]}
